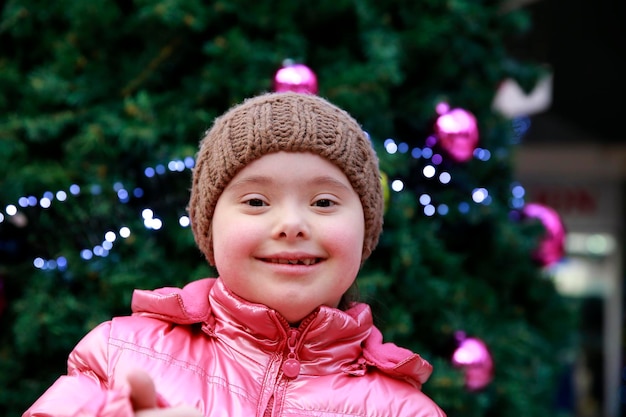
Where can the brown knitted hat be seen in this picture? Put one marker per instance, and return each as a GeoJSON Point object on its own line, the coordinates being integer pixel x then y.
{"type": "Point", "coordinates": [291, 122]}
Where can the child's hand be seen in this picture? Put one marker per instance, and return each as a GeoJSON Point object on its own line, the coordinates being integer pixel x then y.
{"type": "Point", "coordinates": [144, 398]}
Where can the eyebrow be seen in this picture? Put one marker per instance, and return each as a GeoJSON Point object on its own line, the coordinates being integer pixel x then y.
{"type": "Point", "coordinates": [324, 180]}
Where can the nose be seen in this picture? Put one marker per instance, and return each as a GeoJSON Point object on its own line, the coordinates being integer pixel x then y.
{"type": "Point", "coordinates": [291, 223]}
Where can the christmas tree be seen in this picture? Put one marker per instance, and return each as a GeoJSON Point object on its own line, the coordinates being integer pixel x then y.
{"type": "Point", "coordinates": [102, 105]}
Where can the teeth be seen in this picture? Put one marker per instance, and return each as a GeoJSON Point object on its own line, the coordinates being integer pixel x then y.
{"type": "Point", "coordinates": [308, 261]}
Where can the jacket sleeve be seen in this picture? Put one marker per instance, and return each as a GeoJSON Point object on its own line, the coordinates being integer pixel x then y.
{"type": "Point", "coordinates": [85, 390]}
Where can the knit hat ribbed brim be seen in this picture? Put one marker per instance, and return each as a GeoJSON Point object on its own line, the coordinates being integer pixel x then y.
{"type": "Point", "coordinates": [290, 122]}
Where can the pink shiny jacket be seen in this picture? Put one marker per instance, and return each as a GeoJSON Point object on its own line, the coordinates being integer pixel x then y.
{"type": "Point", "coordinates": [205, 347]}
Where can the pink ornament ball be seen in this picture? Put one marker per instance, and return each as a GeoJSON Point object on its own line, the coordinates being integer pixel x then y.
{"type": "Point", "coordinates": [457, 132]}
{"type": "Point", "coordinates": [551, 248]}
{"type": "Point", "coordinates": [297, 78]}
{"type": "Point", "coordinates": [474, 358]}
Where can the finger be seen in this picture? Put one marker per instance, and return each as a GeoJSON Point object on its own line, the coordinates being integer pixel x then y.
{"type": "Point", "coordinates": [142, 391]}
{"type": "Point", "coordinates": [181, 411]}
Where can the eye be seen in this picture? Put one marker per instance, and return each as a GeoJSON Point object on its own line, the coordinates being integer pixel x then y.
{"type": "Point", "coordinates": [255, 202]}
{"type": "Point", "coordinates": [324, 202]}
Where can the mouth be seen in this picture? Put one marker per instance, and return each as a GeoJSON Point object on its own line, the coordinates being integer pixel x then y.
{"type": "Point", "coordinates": [304, 261]}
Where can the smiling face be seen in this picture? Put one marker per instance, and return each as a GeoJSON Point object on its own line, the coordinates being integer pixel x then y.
{"type": "Point", "coordinates": [288, 233]}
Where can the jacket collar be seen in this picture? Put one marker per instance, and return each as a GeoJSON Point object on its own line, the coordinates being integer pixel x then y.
{"type": "Point", "coordinates": [329, 340]}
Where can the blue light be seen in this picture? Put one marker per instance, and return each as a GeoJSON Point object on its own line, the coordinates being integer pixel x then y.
{"type": "Point", "coordinates": [62, 263]}
{"type": "Point", "coordinates": [122, 195]}
{"type": "Point", "coordinates": [518, 191]}
{"type": "Point", "coordinates": [425, 199]}
{"type": "Point", "coordinates": [190, 162]}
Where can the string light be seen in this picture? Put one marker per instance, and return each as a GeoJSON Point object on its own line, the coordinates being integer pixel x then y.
{"type": "Point", "coordinates": [103, 249]}
{"type": "Point", "coordinates": [152, 222]}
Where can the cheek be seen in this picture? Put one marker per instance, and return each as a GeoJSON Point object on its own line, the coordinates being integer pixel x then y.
{"type": "Point", "coordinates": [236, 238]}
{"type": "Point", "coordinates": [347, 241]}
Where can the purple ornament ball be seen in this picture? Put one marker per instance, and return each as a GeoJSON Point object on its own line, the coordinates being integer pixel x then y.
{"type": "Point", "coordinates": [457, 133]}
{"type": "Point", "coordinates": [474, 358]}
{"type": "Point", "coordinates": [295, 77]}
{"type": "Point", "coordinates": [551, 248]}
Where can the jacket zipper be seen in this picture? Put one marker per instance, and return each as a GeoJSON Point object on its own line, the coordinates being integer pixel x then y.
{"type": "Point", "coordinates": [291, 365]}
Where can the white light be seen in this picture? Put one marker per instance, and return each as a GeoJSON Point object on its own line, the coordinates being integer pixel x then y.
{"type": "Point", "coordinates": [39, 263]}
{"type": "Point", "coordinates": [184, 221]}
{"type": "Point", "coordinates": [147, 214]}
{"type": "Point", "coordinates": [429, 171]}
{"type": "Point", "coordinates": [153, 223]}
{"type": "Point", "coordinates": [391, 148]}
{"type": "Point", "coordinates": [110, 236]}
{"type": "Point", "coordinates": [11, 210]}
{"type": "Point", "coordinates": [176, 166]}
{"type": "Point", "coordinates": [156, 224]}
{"type": "Point", "coordinates": [1, 217]}
{"type": "Point", "coordinates": [429, 210]}
{"type": "Point", "coordinates": [61, 195]}
{"type": "Point", "coordinates": [45, 202]}
{"type": "Point", "coordinates": [124, 232]}
{"type": "Point", "coordinates": [397, 185]}
{"type": "Point", "coordinates": [479, 195]}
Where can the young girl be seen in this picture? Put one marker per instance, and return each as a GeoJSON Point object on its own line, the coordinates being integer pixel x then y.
{"type": "Point", "coordinates": [286, 203]}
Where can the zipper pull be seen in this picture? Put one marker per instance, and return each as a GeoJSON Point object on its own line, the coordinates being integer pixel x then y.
{"type": "Point", "coordinates": [291, 366]}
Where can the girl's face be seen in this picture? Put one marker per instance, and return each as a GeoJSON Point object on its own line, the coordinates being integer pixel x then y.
{"type": "Point", "coordinates": [288, 233]}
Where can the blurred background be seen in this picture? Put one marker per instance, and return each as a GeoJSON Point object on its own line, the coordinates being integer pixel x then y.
{"type": "Point", "coordinates": [574, 160]}
{"type": "Point", "coordinates": [497, 124]}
